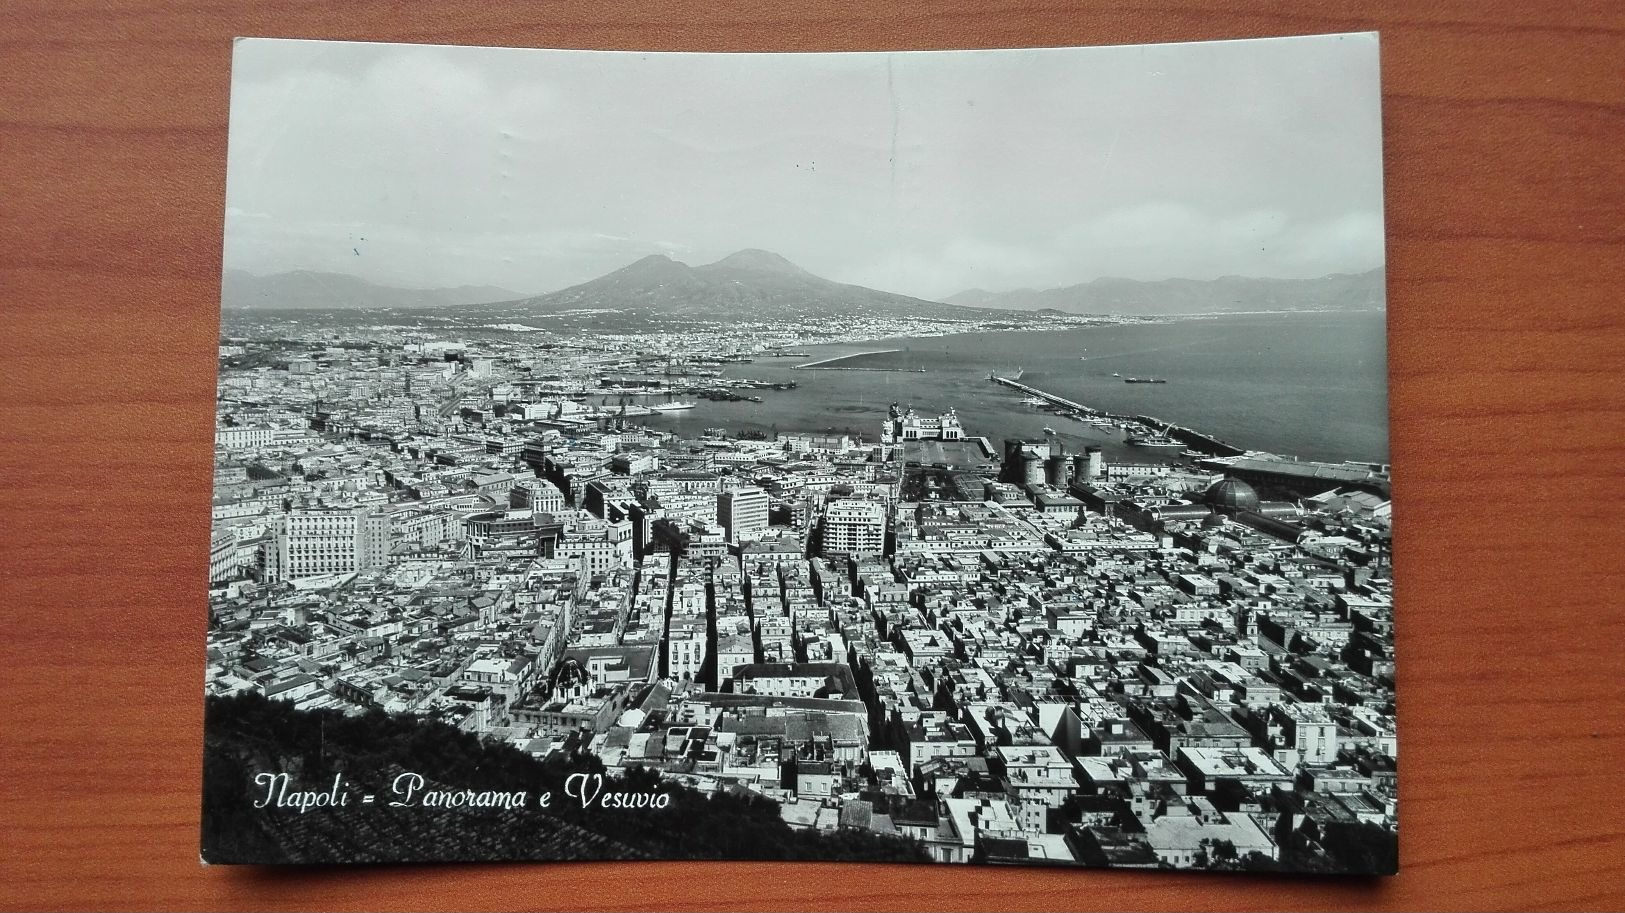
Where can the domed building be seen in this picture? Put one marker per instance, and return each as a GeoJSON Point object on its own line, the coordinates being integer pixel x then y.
{"type": "Point", "coordinates": [570, 679]}
{"type": "Point", "coordinates": [1231, 499]}
{"type": "Point", "coordinates": [1231, 495]}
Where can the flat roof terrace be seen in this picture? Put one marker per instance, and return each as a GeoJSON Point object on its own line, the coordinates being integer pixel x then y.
{"type": "Point", "coordinates": [951, 454]}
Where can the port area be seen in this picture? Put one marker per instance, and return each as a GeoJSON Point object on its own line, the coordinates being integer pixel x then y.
{"type": "Point", "coordinates": [1196, 440]}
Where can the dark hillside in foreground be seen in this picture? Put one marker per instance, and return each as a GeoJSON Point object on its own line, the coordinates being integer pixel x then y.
{"type": "Point", "coordinates": [248, 734]}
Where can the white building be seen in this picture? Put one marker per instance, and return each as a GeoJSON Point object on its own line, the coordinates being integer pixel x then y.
{"type": "Point", "coordinates": [743, 513]}
{"type": "Point", "coordinates": [222, 554]}
{"type": "Point", "coordinates": [854, 528]}
{"type": "Point", "coordinates": [330, 542]}
{"type": "Point", "coordinates": [685, 645]}
{"type": "Point", "coordinates": [1309, 730]}
{"type": "Point", "coordinates": [242, 438]}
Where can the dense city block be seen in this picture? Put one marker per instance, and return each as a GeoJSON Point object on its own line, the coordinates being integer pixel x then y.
{"type": "Point", "coordinates": [987, 645]}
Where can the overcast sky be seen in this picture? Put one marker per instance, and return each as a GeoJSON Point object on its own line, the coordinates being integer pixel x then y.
{"type": "Point", "coordinates": [921, 173]}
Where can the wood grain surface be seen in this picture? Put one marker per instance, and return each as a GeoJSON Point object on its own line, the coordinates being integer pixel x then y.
{"type": "Point", "coordinates": [1505, 125]}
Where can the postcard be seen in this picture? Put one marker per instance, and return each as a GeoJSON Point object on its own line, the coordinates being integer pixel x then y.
{"type": "Point", "coordinates": [958, 457]}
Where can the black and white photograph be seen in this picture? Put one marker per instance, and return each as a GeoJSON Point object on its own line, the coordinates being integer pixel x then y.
{"type": "Point", "coordinates": [959, 457]}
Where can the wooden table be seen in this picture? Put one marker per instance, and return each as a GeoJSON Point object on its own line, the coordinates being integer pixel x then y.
{"type": "Point", "coordinates": [1505, 125]}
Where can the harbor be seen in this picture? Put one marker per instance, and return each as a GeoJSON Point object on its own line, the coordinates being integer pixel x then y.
{"type": "Point", "coordinates": [1169, 435]}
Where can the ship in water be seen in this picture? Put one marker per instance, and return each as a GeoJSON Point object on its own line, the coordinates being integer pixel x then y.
{"type": "Point", "coordinates": [1035, 401]}
{"type": "Point", "coordinates": [671, 406]}
{"type": "Point", "coordinates": [1155, 438]}
{"type": "Point", "coordinates": [1145, 380]}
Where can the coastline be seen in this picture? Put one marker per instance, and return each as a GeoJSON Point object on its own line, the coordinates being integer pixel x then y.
{"type": "Point", "coordinates": [1246, 394]}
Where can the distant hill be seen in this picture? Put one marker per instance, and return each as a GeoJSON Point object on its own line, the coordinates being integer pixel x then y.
{"type": "Point", "coordinates": [1336, 292]}
{"type": "Point", "coordinates": [307, 290]}
{"type": "Point", "coordinates": [755, 284]}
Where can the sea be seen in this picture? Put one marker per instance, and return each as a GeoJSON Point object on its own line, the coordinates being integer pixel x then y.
{"type": "Point", "coordinates": [1305, 384]}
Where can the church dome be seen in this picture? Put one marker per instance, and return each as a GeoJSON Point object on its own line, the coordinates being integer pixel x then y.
{"type": "Point", "coordinates": [1231, 494]}
{"type": "Point", "coordinates": [569, 674]}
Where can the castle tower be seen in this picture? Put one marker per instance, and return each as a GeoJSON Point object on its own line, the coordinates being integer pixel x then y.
{"type": "Point", "coordinates": [1032, 468]}
{"type": "Point", "coordinates": [1058, 469]}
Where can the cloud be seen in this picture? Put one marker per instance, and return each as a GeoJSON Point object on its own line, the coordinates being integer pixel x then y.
{"type": "Point", "coordinates": [919, 173]}
{"type": "Point", "coordinates": [1152, 241]}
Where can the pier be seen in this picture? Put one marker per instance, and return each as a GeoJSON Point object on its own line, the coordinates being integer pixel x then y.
{"type": "Point", "coordinates": [1196, 440]}
{"type": "Point", "coordinates": [1051, 398]}
{"type": "Point", "coordinates": [833, 359]}
{"type": "Point", "coordinates": [859, 368]}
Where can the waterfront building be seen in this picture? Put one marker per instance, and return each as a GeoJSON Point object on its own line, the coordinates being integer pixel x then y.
{"type": "Point", "coordinates": [904, 424]}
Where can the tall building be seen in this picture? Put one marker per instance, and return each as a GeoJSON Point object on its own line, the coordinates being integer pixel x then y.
{"type": "Point", "coordinates": [312, 542]}
{"type": "Point", "coordinates": [222, 554]}
{"type": "Point", "coordinates": [743, 513]}
{"type": "Point", "coordinates": [685, 648]}
{"type": "Point", "coordinates": [854, 528]}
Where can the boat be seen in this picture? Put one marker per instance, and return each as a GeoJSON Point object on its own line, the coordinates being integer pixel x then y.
{"type": "Point", "coordinates": [1049, 430]}
{"type": "Point", "coordinates": [1144, 380]}
{"type": "Point", "coordinates": [1154, 440]}
{"type": "Point", "coordinates": [671, 407]}
{"type": "Point", "coordinates": [1153, 437]}
{"type": "Point", "coordinates": [1035, 401]}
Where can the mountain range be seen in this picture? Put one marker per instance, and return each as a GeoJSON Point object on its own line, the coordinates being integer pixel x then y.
{"type": "Point", "coordinates": [764, 285]}
{"type": "Point", "coordinates": [749, 283]}
{"type": "Point", "coordinates": [1129, 297]}
{"type": "Point", "coordinates": [307, 290]}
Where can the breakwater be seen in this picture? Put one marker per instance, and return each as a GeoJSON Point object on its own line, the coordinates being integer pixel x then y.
{"type": "Point", "coordinates": [1196, 440]}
